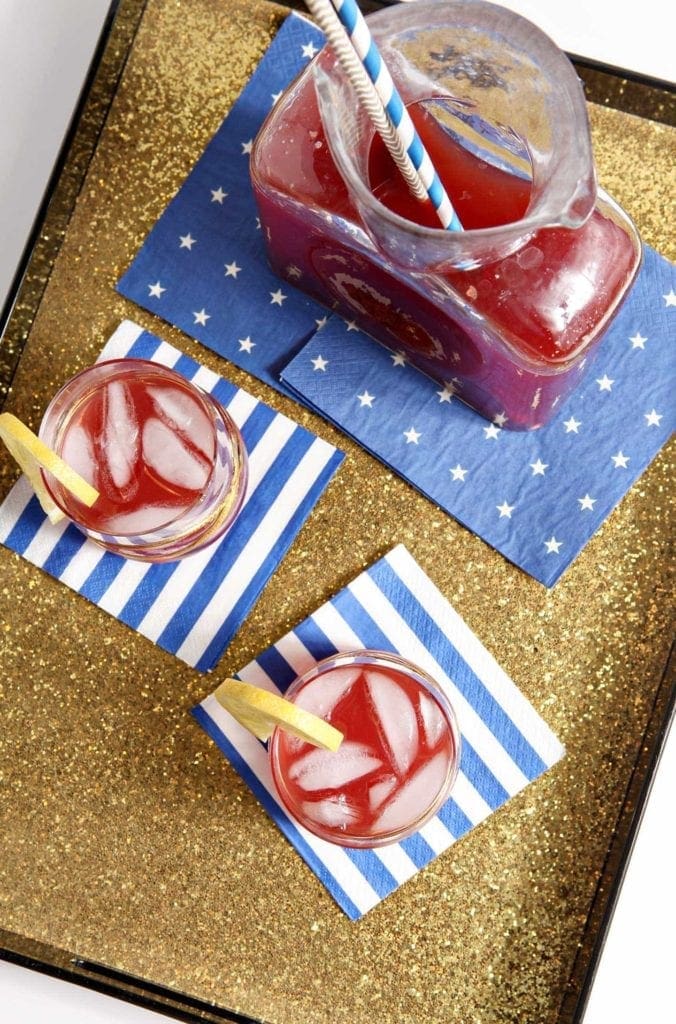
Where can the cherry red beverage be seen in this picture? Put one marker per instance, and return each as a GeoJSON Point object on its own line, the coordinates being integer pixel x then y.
{"type": "Point", "coordinates": [397, 761]}
{"type": "Point", "coordinates": [552, 292]}
{"type": "Point", "coordinates": [509, 335]}
{"type": "Point", "coordinates": [166, 458]}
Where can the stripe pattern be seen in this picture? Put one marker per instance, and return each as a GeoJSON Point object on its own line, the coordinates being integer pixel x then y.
{"type": "Point", "coordinates": [192, 607]}
{"type": "Point", "coordinates": [394, 606]}
{"type": "Point", "coordinates": [360, 36]}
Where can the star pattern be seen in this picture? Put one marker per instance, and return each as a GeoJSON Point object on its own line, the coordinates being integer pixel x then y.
{"type": "Point", "coordinates": [218, 195]}
{"type": "Point", "coordinates": [365, 399]}
{"type": "Point", "coordinates": [560, 474]}
{"type": "Point", "coordinates": [319, 363]}
{"type": "Point", "coordinates": [638, 341]}
{"type": "Point", "coordinates": [201, 317]}
{"type": "Point", "coordinates": [505, 510]}
{"type": "Point", "coordinates": [187, 241]}
{"type": "Point", "coordinates": [232, 269]}
{"type": "Point", "coordinates": [155, 290]}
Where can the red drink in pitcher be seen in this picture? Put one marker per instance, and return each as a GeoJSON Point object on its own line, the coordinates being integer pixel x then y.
{"type": "Point", "coordinates": [506, 312]}
{"type": "Point", "coordinates": [396, 764]}
{"type": "Point", "coordinates": [548, 295]}
{"type": "Point", "coordinates": [166, 458]}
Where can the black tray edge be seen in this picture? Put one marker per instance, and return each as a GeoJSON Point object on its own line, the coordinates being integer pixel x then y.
{"type": "Point", "coordinates": [59, 164]}
{"type": "Point", "coordinates": [614, 871]}
{"type": "Point", "coordinates": [138, 991]}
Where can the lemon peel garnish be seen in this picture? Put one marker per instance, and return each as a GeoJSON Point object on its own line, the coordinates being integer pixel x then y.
{"type": "Point", "coordinates": [32, 454]}
{"type": "Point", "coordinates": [261, 712]}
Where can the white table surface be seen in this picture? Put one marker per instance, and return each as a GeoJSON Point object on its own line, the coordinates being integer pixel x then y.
{"type": "Point", "coordinates": [45, 49]}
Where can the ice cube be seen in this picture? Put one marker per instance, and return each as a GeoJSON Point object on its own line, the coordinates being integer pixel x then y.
{"type": "Point", "coordinates": [78, 452]}
{"type": "Point", "coordinates": [396, 718]}
{"type": "Point", "coordinates": [415, 796]}
{"type": "Point", "coordinates": [434, 723]}
{"type": "Point", "coordinates": [181, 412]}
{"type": "Point", "coordinates": [325, 769]}
{"type": "Point", "coordinates": [380, 791]}
{"type": "Point", "coordinates": [120, 441]}
{"type": "Point", "coordinates": [293, 743]}
{"type": "Point", "coordinates": [334, 812]}
{"type": "Point", "coordinates": [320, 698]}
{"type": "Point", "coordinates": [167, 455]}
{"type": "Point", "coordinates": [141, 520]}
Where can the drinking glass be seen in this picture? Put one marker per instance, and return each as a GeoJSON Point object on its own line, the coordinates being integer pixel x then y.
{"type": "Point", "coordinates": [168, 461]}
{"type": "Point", "coordinates": [398, 759]}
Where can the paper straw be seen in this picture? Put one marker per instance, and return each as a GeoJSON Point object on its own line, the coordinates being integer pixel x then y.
{"type": "Point", "coordinates": [348, 34]}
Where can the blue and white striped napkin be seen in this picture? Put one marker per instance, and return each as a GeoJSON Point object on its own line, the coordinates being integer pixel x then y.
{"type": "Point", "coordinates": [192, 607]}
{"type": "Point", "coordinates": [394, 606]}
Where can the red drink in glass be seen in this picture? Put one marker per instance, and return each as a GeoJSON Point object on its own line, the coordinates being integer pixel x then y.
{"type": "Point", "coordinates": [396, 764]}
{"type": "Point", "coordinates": [507, 312]}
{"type": "Point", "coordinates": [166, 458]}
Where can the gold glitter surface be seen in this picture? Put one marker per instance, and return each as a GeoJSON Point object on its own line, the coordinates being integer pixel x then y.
{"type": "Point", "coordinates": [128, 839]}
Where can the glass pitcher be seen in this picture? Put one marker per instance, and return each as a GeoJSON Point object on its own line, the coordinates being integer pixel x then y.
{"type": "Point", "coordinates": [507, 312]}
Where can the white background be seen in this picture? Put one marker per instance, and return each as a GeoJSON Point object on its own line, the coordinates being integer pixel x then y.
{"type": "Point", "coordinates": [45, 49]}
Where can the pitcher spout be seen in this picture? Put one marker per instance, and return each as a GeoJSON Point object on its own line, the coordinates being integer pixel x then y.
{"type": "Point", "coordinates": [489, 82]}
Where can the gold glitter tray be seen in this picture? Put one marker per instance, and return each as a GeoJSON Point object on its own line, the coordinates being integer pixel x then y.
{"type": "Point", "coordinates": [132, 857]}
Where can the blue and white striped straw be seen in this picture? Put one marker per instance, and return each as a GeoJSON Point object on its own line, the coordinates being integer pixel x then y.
{"type": "Point", "coordinates": [347, 32]}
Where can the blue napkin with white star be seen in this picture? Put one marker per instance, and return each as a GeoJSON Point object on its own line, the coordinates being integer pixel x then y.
{"type": "Point", "coordinates": [203, 267]}
{"type": "Point", "coordinates": [537, 497]}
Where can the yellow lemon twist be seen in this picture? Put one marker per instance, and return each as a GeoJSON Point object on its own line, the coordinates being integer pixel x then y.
{"type": "Point", "coordinates": [260, 712]}
{"type": "Point", "coordinates": [32, 455]}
